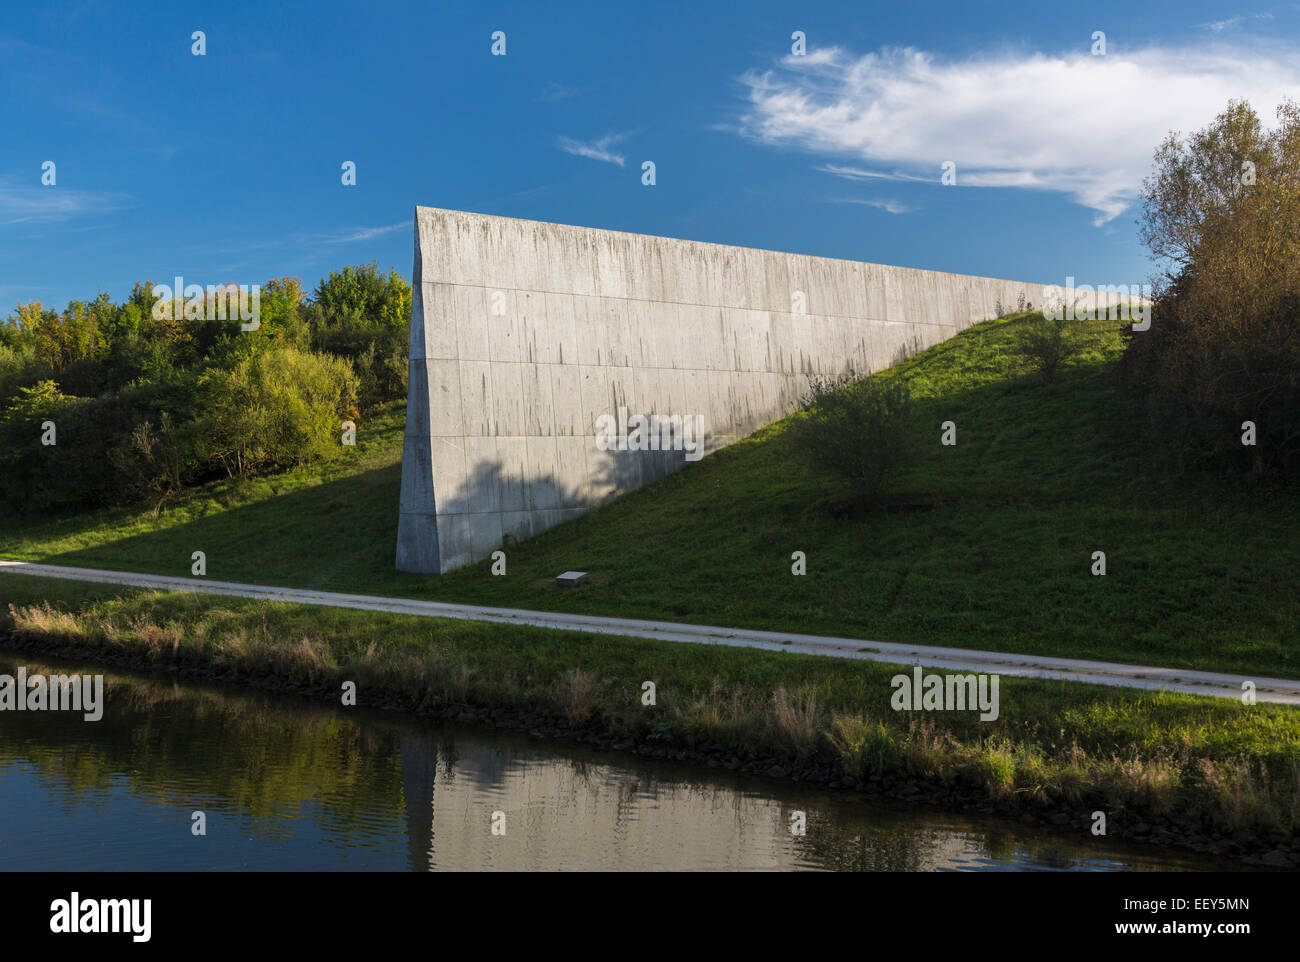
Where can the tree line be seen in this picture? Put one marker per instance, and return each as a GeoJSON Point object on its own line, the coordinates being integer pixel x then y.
{"type": "Point", "coordinates": [109, 403]}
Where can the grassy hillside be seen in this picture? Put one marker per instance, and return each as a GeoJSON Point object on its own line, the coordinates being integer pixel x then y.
{"type": "Point", "coordinates": [986, 544]}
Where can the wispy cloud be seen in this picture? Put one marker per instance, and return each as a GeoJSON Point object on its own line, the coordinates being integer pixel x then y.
{"type": "Point", "coordinates": [596, 150]}
{"type": "Point", "coordinates": [854, 173]}
{"type": "Point", "coordinates": [308, 244]}
{"type": "Point", "coordinates": [520, 194]}
{"type": "Point", "coordinates": [38, 204]}
{"type": "Point", "coordinates": [1218, 26]}
{"type": "Point", "coordinates": [351, 234]}
{"type": "Point", "coordinates": [889, 206]}
{"type": "Point", "coordinates": [1076, 124]}
{"type": "Point", "coordinates": [553, 92]}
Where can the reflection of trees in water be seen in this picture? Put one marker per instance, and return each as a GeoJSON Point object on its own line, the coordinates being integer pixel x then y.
{"type": "Point", "coordinates": [845, 843]}
{"type": "Point", "coordinates": [886, 839]}
{"type": "Point", "coordinates": [265, 755]}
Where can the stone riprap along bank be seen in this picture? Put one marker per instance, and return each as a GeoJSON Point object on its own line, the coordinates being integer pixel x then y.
{"type": "Point", "coordinates": [524, 333]}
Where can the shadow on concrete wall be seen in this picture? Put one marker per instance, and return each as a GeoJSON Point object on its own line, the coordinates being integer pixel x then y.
{"type": "Point", "coordinates": [490, 487]}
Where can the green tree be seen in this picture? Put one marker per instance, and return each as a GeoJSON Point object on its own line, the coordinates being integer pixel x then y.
{"type": "Point", "coordinates": [273, 408]}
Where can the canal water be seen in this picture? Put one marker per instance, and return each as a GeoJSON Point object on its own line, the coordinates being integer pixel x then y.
{"type": "Point", "coordinates": [286, 782]}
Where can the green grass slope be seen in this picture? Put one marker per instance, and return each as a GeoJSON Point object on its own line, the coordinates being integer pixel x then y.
{"type": "Point", "coordinates": [986, 544]}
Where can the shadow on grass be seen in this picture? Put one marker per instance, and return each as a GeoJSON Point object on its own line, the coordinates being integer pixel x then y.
{"type": "Point", "coordinates": [319, 536]}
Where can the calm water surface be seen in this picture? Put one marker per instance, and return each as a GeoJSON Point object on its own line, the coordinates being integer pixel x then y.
{"type": "Point", "coordinates": [290, 783]}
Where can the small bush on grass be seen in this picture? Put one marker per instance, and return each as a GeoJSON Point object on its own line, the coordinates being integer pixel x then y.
{"type": "Point", "coordinates": [857, 429]}
{"type": "Point", "coordinates": [1047, 343]}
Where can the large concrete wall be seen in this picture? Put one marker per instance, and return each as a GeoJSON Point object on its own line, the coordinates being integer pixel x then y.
{"type": "Point", "coordinates": [523, 333]}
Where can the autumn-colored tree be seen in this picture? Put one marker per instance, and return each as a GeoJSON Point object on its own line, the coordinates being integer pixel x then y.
{"type": "Point", "coordinates": [1221, 215]}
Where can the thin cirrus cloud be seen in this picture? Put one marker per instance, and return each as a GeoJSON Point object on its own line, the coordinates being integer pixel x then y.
{"type": "Point", "coordinates": [857, 174]}
{"type": "Point", "coordinates": [1080, 125]}
{"type": "Point", "coordinates": [352, 235]}
{"type": "Point", "coordinates": [342, 235]}
{"type": "Point", "coordinates": [1218, 26]}
{"type": "Point", "coordinates": [888, 206]}
{"type": "Point", "coordinates": [32, 204]}
{"type": "Point", "coordinates": [308, 245]}
{"type": "Point", "coordinates": [553, 92]}
{"type": "Point", "coordinates": [596, 149]}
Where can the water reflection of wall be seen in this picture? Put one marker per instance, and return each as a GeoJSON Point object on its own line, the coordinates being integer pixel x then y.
{"type": "Point", "coordinates": [575, 814]}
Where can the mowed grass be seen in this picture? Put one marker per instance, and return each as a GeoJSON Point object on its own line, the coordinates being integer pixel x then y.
{"type": "Point", "coordinates": [986, 544]}
{"type": "Point", "coordinates": [1212, 763]}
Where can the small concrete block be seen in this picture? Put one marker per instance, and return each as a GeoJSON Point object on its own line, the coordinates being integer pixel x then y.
{"type": "Point", "coordinates": [571, 579]}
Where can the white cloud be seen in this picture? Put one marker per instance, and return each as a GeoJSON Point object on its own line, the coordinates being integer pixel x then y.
{"type": "Point", "coordinates": [553, 92]}
{"type": "Point", "coordinates": [889, 206]}
{"type": "Point", "coordinates": [1218, 26]}
{"type": "Point", "coordinates": [596, 150]}
{"type": "Point", "coordinates": [349, 235]}
{"type": "Point", "coordinates": [857, 174]}
{"type": "Point", "coordinates": [38, 204]}
{"type": "Point", "coordinates": [1076, 124]}
{"type": "Point", "coordinates": [308, 245]}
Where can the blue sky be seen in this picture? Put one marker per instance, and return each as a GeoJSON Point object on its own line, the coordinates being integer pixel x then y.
{"type": "Point", "coordinates": [226, 167]}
